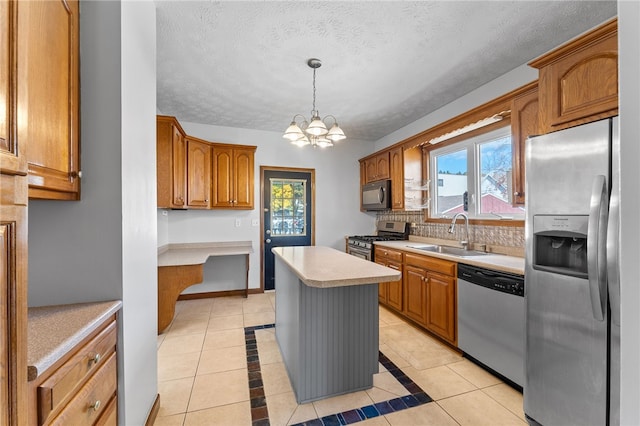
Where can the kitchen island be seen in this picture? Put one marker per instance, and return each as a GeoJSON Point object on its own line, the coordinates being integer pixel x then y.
{"type": "Point", "coordinates": [327, 319]}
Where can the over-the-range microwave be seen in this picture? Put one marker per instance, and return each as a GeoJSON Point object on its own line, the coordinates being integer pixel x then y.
{"type": "Point", "coordinates": [376, 195]}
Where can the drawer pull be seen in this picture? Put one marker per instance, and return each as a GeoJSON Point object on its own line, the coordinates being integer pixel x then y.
{"type": "Point", "coordinates": [95, 359]}
{"type": "Point", "coordinates": [95, 406]}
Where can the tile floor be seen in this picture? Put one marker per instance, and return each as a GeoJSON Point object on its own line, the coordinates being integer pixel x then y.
{"type": "Point", "coordinates": [203, 374]}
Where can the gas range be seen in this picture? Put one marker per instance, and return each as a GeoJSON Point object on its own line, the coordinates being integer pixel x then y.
{"type": "Point", "coordinates": [362, 245]}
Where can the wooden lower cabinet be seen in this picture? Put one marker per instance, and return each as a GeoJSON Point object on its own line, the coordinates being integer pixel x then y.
{"type": "Point", "coordinates": [390, 293]}
{"type": "Point", "coordinates": [441, 305]}
{"type": "Point", "coordinates": [80, 389]}
{"type": "Point", "coordinates": [430, 294]}
{"type": "Point", "coordinates": [415, 286]}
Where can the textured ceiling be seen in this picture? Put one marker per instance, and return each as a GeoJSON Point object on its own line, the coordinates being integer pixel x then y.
{"type": "Point", "coordinates": [384, 64]}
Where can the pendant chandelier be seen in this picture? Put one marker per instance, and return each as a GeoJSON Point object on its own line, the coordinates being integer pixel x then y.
{"type": "Point", "coordinates": [313, 132]}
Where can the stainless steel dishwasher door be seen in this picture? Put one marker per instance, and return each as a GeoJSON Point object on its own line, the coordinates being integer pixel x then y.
{"type": "Point", "coordinates": [491, 328]}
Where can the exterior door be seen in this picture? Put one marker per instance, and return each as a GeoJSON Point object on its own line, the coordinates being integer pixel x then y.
{"type": "Point", "coordinates": [288, 218]}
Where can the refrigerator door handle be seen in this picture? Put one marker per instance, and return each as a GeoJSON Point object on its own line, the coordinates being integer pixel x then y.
{"type": "Point", "coordinates": [596, 246]}
{"type": "Point", "coordinates": [613, 230]}
{"type": "Point", "coordinates": [613, 273]}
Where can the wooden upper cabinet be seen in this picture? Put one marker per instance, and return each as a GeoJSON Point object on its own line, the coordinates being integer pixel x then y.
{"type": "Point", "coordinates": [233, 176]}
{"type": "Point", "coordinates": [579, 81]}
{"type": "Point", "coordinates": [171, 160]}
{"type": "Point", "coordinates": [413, 192]}
{"type": "Point", "coordinates": [195, 173]}
{"type": "Point", "coordinates": [51, 29]}
{"type": "Point", "coordinates": [377, 168]}
{"type": "Point", "coordinates": [198, 173]}
{"type": "Point", "coordinates": [13, 99]}
{"type": "Point", "coordinates": [397, 178]}
{"type": "Point", "coordinates": [524, 123]}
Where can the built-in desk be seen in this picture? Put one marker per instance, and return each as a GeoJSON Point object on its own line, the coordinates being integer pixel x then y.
{"type": "Point", "coordinates": [327, 319]}
{"type": "Point", "coordinates": [181, 266]}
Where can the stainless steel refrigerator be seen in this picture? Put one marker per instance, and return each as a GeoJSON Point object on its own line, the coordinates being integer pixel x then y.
{"type": "Point", "coordinates": [572, 296]}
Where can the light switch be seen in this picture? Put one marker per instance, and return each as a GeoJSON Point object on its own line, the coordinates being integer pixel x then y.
{"type": "Point", "coordinates": [255, 222]}
{"type": "Point", "coordinates": [237, 222]}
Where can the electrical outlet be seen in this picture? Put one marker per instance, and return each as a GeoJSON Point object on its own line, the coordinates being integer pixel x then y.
{"type": "Point", "coordinates": [255, 222]}
{"type": "Point", "coordinates": [237, 222]}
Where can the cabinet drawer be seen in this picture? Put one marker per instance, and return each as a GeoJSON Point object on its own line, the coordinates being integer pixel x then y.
{"type": "Point", "coordinates": [388, 253]}
{"type": "Point", "coordinates": [57, 388]}
{"type": "Point", "coordinates": [93, 398]}
{"type": "Point", "coordinates": [109, 416]}
{"type": "Point", "coordinates": [431, 264]}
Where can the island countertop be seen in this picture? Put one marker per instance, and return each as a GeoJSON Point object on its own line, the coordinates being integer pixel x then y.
{"type": "Point", "coordinates": [326, 267]}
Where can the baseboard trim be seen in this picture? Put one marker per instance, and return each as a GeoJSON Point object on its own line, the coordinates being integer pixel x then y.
{"type": "Point", "coordinates": [153, 414]}
{"type": "Point", "coordinates": [223, 293]}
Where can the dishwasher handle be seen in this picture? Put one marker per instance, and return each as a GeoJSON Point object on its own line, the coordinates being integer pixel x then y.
{"type": "Point", "coordinates": [495, 280]}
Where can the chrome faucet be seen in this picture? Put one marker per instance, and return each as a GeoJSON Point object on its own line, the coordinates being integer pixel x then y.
{"type": "Point", "coordinates": [464, 243]}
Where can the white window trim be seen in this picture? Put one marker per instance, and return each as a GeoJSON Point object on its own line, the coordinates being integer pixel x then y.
{"type": "Point", "coordinates": [472, 145]}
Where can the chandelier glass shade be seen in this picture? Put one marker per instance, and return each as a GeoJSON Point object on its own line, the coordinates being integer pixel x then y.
{"type": "Point", "coordinates": [313, 132]}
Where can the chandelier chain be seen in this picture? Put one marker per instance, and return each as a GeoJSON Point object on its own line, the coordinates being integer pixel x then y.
{"type": "Point", "coordinates": [313, 111]}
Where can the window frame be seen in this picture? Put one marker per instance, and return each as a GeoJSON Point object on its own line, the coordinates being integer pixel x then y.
{"type": "Point", "coordinates": [472, 146]}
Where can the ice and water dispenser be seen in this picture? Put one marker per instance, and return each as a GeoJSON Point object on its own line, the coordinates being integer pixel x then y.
{"type": "Point", "coordinates": [560, 244]}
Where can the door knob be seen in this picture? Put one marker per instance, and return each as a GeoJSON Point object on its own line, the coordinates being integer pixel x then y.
{"type": "Point", "coordinates": [268, 240]}
{"type": "Point", "coordinates": [268, 231]}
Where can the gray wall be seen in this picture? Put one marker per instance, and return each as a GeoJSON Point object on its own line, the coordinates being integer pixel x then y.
{"type": "Point", "coordinates": [104, 246]}
{"type": "Point", "coordinates": [629, 69]}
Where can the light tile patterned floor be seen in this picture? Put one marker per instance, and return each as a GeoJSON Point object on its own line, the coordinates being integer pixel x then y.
{"type": "Point", "coordinates": [203, 375]}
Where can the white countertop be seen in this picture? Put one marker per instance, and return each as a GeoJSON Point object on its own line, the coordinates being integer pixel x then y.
{"type": "Point", "coordinates": [498, 262]}
{"type": "Point", "coordinates": [198, 253]}
{"type": "Point", "coordinates": [326, 267]}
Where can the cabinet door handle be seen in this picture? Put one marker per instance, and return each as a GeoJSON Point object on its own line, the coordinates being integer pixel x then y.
{"type": "Point", "coordinates": [95, 406]}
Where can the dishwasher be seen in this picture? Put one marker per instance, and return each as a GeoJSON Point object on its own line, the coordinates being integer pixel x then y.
{"type": "Point", "coordinates": [491, 320]}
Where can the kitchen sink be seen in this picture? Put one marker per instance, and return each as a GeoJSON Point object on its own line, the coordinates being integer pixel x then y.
{"type": "Point", "coordinates": [455, 251]}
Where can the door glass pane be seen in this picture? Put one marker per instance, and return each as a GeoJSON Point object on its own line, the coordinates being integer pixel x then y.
{"type": "Point", "coordinates": [451, 182]}
{"type": "Point", "coordinates": [288, 208]}
{"type": "Point", "coordinates": [495, 176]}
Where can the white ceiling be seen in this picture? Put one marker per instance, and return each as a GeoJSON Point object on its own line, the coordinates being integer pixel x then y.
{"type": "Point", "coordinates": [384, 64]}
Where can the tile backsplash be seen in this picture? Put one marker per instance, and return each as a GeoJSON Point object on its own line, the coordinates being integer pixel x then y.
{"type": "Point", "coordinates": [508, 237]}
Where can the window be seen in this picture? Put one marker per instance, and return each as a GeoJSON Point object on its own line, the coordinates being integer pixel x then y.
{"type": "Point", "coordinates": [474, 176]}
{"type": "Point", "coordinates": [288, 208]}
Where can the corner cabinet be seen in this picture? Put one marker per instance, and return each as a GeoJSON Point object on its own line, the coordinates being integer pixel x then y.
{"type": "Point", "coordinates": [579, 80]}
{"type": "Point", "coordinates": [194, 173]}
{"type": "Point", "coordinates": [171, 152]}
{"type": "Point", "coordinates": [233, 176]}
{"type": "Point", "coordinates": [50, 29]}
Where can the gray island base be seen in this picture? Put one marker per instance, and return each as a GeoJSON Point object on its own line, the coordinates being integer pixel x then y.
{"type": "Point", "coordinates": [327, 319]}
